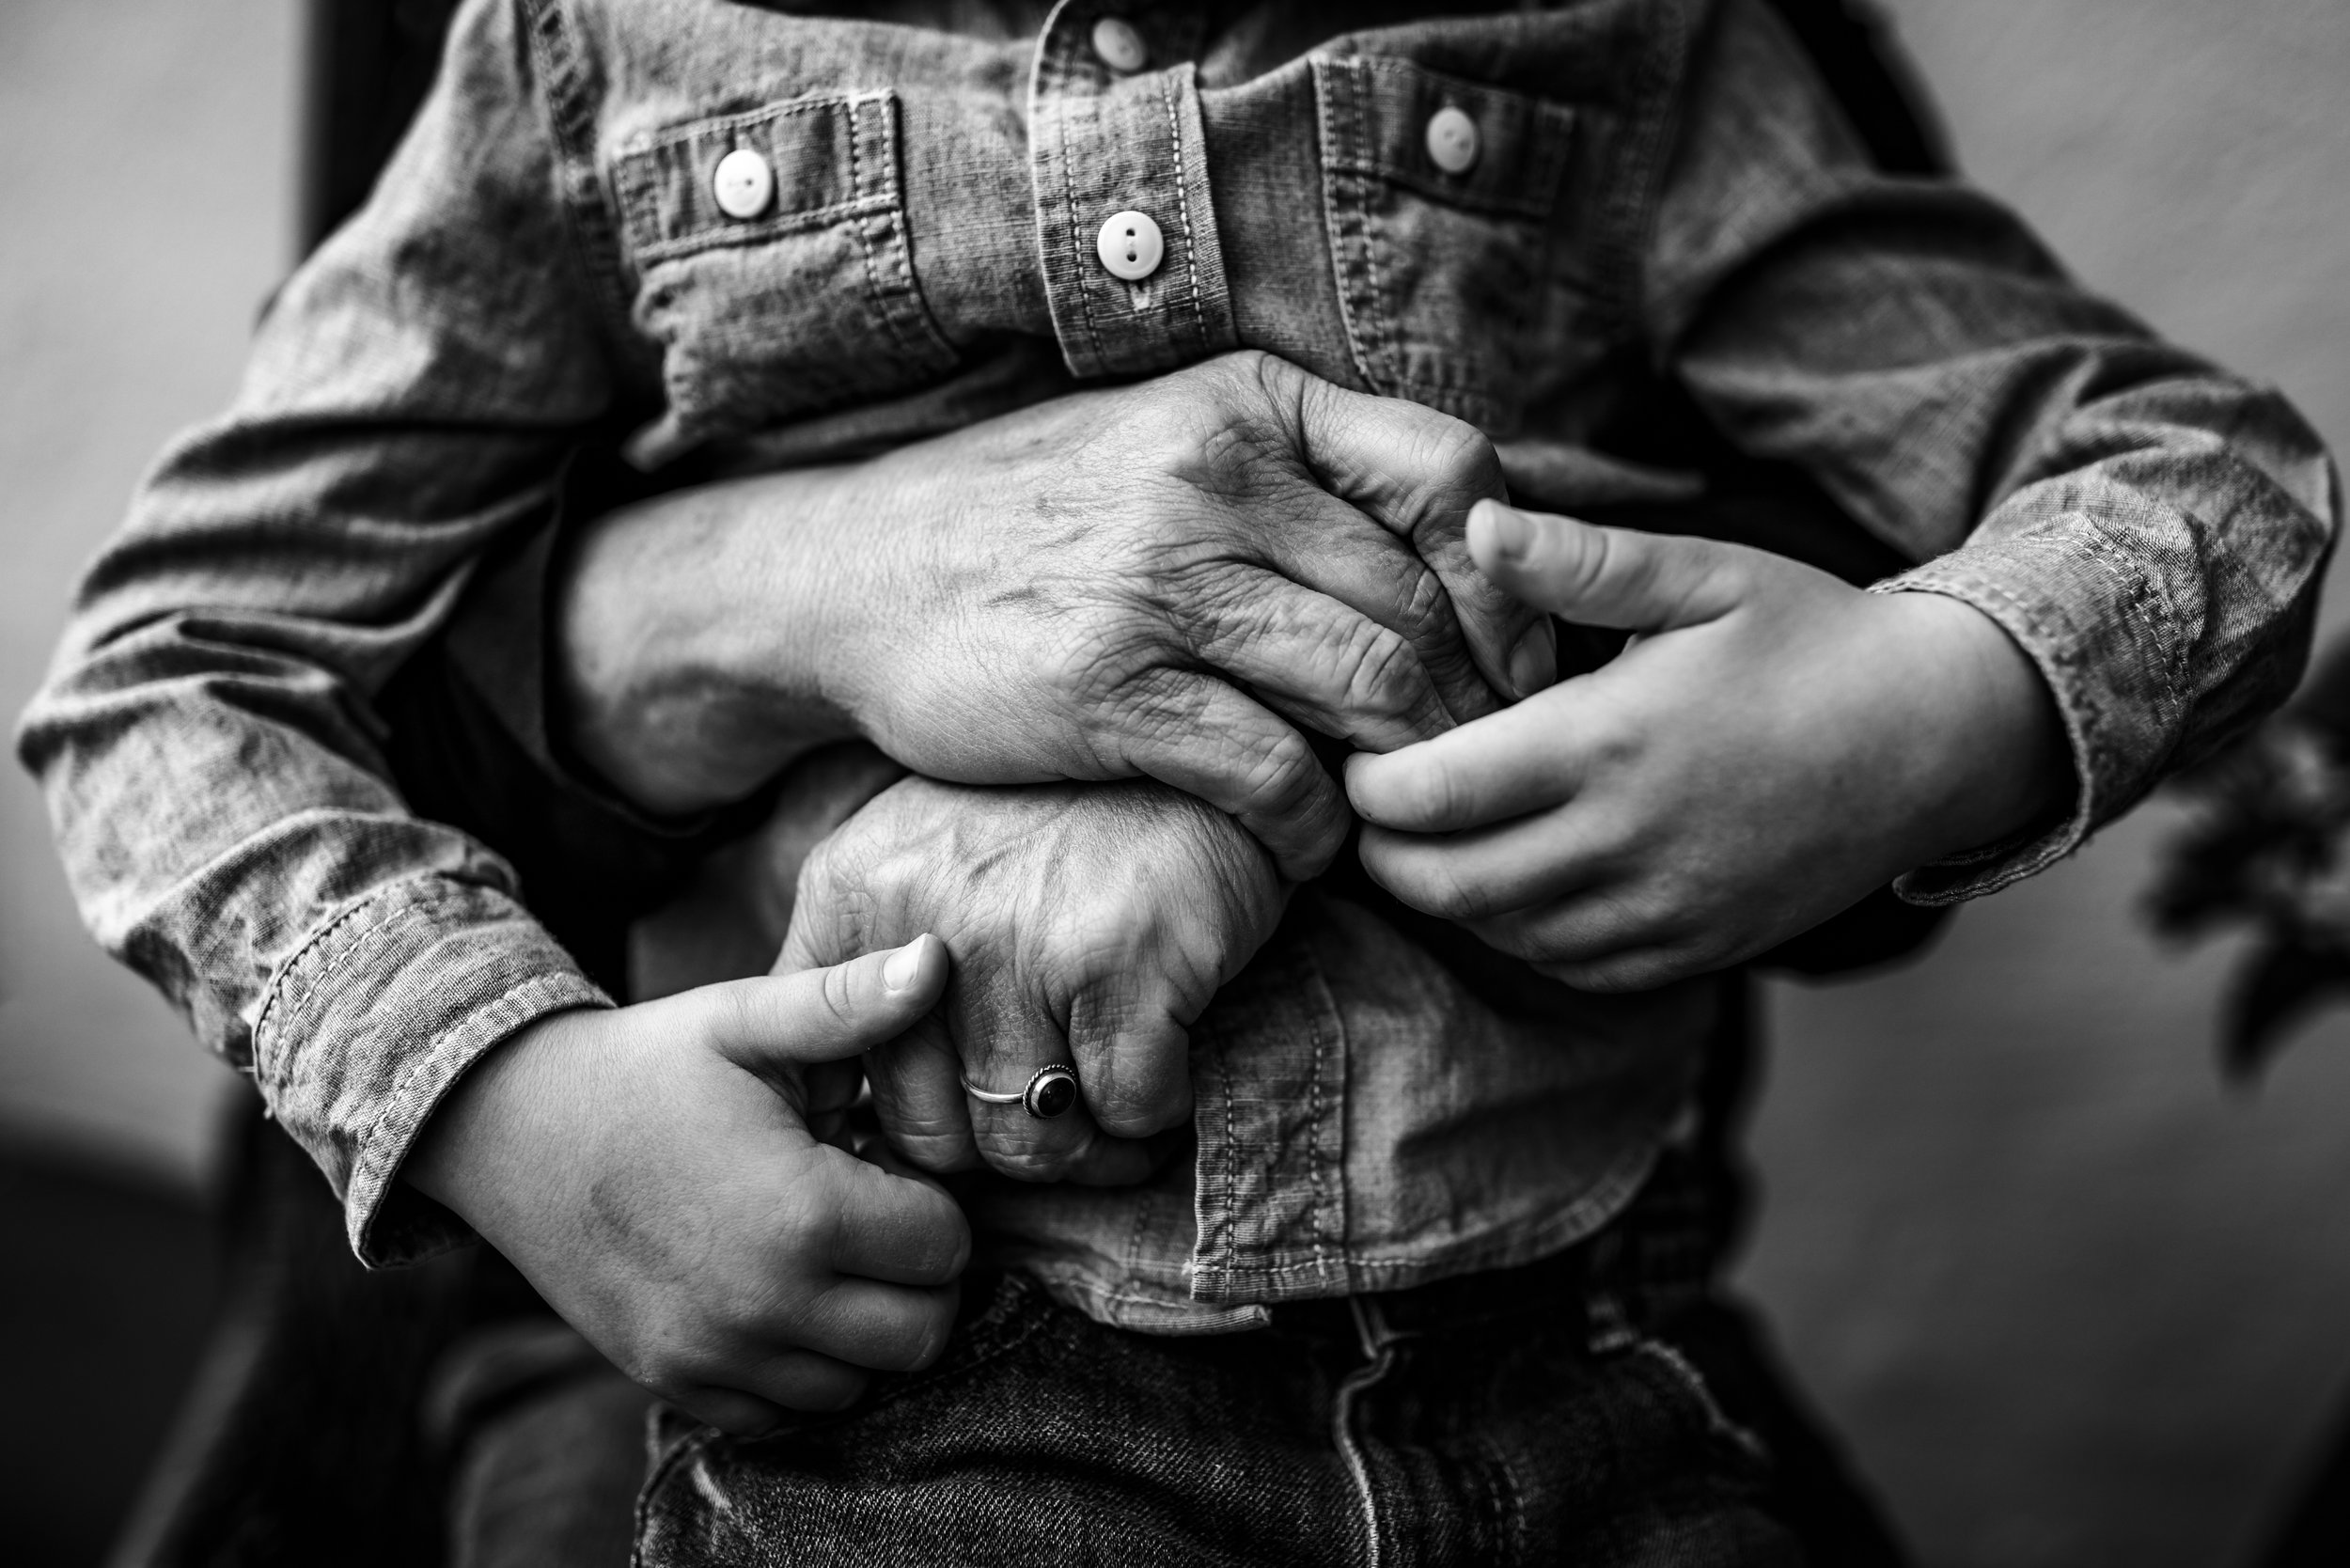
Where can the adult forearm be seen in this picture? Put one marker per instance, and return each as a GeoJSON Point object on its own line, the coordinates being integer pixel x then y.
{"type": "Point", "coordinates": [688, 630]}
{"type": "Point", "coordinates": [1171, 579]}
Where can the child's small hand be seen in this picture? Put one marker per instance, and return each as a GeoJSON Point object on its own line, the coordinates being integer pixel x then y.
{"type": "Point", "coordinates": [1772, 745]}
{"type": "Point", "coordinates": [651, 1172]}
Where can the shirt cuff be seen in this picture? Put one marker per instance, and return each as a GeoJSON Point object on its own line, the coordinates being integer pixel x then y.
{"type": "Point", "coordinates": [363, 1030]}
{"type": "Point", "coordinates": [2101, 634]}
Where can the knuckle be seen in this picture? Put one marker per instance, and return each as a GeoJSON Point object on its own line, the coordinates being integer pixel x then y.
{"type": "Point", "coordinates": [1583, 560]}
{"type": "Point", "coordinates": [1444, 463]}
{"type": "Point", "coordinates": [1137, 1111]}
{"type": "Point", "coordinates": [1430, 794]}
{"type": "Point", "coordinates": [742, 1013]}
{"type": "Point", "coordinates": [1029, 1164]}
{"type": "Point", "coordinates": [1427, 607]}
{"type": "Point", "coordinates": [936, 1253]}
{"type": "Point", "coordinates": [1159, 706]}
{"type": "Point", "coordinates": [1280, 773]}
{"type": "Point", "coordinates": [1272, 379]}
{"type": "Point", "coordinates": [1447, 893]}
{"type": "Point", "coordinates": [801, 1220]}
{"type": "Point", "coordinates": [1381, 672]}
{"type": "Point", "coordinates": [838, 991]}
{"type": "Point", "coordinates": [943, 1154]}
{"type": "Point", "coordinates": [1457, 455]}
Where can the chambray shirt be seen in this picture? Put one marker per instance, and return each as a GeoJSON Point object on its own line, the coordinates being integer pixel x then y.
{"type": "Point", "coordinates": [1665, 225]}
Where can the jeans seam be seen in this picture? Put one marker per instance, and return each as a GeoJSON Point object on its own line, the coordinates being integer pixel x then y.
{"type": "Point", "coordinates": [1508, 1497]}
{"type": "Point", "coordinates": [1378, 1343]}
{"type": "Point", "coordinates": [1692, 1382]}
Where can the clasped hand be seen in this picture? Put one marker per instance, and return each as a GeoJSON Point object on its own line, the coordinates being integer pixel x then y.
{"type": "Point", "coordinates": [1167, 580]}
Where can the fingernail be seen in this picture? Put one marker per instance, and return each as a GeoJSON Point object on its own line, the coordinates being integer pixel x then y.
{"type": "Point", "coordinates": [1514, 535]}
{"type": "Point", "coordinates": [899, 969]}
{"type": "Point", "coordinates": [1534, 663]}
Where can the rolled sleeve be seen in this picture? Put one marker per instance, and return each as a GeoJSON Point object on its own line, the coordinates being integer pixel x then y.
{"type": "Point", "coordinates": [2093, 624]}
{"type": "Point", "coordinates": [2151, 530]}
{"type": "Point", "coordinates": [365, 1027]}
{"type": "Point", "coordinates": [214, 739]}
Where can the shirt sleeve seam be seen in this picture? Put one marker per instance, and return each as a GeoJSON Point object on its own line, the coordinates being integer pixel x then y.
{"type": "Point", "coordinates": [407, 894]}
{"type": "Point", "coordinates": [372, 1174]}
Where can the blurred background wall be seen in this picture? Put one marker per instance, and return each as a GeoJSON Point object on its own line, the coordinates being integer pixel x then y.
{"type": "Point", "coordinates": [2072, 1301]}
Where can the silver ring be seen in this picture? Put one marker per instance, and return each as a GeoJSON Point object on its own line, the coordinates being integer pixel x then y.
{"type": "Point", "coordinates": [1051, 1091]}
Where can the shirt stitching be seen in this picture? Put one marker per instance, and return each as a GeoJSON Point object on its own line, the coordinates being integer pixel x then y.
{"type": "Point", "coordinates": [484, 1025]}
{"type": "Point", "coordinates": [1068, 196]}
{"type": "Point", "coordinates": [412, 893]}
{"type": "Point", "coordinates": [1182, 208]}
{"type": "Point", "coordinates": [1335, 183]}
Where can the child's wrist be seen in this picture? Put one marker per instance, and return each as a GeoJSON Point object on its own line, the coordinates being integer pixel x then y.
{"type": "Point", "coordinates": [1998, 758]}
{"type": "Point", "coordinates": [479, 1138]}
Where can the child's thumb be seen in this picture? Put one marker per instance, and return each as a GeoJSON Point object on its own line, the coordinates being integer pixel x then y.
{"type": "Point", "coordinates": [1596, 576]}
{"type": "Point", "coordinates": [826, 1013]}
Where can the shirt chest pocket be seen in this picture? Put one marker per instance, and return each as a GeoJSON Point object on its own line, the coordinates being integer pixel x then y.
{"type": "Point", "coordinates": [1465, 273]}
{"type": "Point", "coordinates": [772, 267]}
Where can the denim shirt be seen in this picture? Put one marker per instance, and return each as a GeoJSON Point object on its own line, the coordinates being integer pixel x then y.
{"type": "Point", "coordinates": [1664, 224]}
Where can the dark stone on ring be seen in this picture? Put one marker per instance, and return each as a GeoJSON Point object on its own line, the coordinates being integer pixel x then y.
{"type": "Point", "coordinates": [1052, 1091]}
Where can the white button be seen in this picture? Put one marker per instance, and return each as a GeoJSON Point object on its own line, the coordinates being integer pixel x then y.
{"type": "Point", "coordinates": [1131, 245]}
{"type": "Point", "coordinates": [1453, 139]}
{"type": "Point", "coordinates": [744, 184]}
{"type": "Point", "coordinates": [1120, 47]}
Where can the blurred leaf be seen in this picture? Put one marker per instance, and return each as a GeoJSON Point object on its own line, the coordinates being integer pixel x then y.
{"type": "Point", "coordinates": [2278, 984]}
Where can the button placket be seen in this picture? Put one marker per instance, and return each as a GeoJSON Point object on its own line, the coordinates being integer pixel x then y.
{"type": "Point", "coordinates": [1125, 222]}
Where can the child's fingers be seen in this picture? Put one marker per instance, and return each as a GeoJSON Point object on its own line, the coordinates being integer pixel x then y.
{"type": "Point", "coordinates": [885, 1327]}
{"type": "Point", "coordinates": [898, 1230]}
{"type": "Point", "coordinates": [1503, 765]}
{"type": "Point", "coordinates": [1493, 871]}
{"type": "Point", "coordinates": [920, 1101]}
{"type": "Point", "coordinates": [1601, 939]}
{"type": "Point", "coordinates": [1596, 576]}
{"type": "Point", "coordinates": [823, 1015]}
{"type": "Point", "coordinates": [782, 1381]}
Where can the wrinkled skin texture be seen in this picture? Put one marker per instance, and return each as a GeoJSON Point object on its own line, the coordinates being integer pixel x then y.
{"type": "Point", "coordinates": [1090, 925]}
{"type": "Point", "coordinates": [1163, 580]}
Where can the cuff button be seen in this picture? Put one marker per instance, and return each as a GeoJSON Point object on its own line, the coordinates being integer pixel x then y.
{"type": "Point", "coordinates": [1130, 246]}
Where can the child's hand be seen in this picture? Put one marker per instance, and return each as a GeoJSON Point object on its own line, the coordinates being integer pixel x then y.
{"type": "Point", "coordinates": [651, 1172]}
{"type": "Point", "coordinates": [1772, 745]}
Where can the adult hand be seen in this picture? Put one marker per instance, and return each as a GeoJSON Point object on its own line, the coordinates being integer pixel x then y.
{"type": "Point", "coordinates": [1160, 580]}
{"type": "Point", "coordinates": [1772, 745]}
{"type": "Point", "coordinates": [1090, 925]}
{"type": "Point", "coordinates": [730, 921]}
{"type": "Point", "coordinates": [651, 1170]}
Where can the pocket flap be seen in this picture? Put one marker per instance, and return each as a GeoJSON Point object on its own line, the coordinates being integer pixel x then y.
{"type": "Point", "coordinates": [833, 155]}
{"type": "Point", "coordinates": [1375, 113]}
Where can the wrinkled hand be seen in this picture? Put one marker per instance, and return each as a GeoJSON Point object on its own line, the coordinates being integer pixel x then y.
{"type": "Point", "coordinates": [1160, 580]}
{"type": "Point", "coordinates": [651, 1172]}
{"type": "Point", "coordinates": [1090, 924]}
{"type": "Point", "coordinates": [1772, 745]}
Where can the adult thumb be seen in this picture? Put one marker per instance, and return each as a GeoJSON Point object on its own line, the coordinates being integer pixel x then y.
{"type": "Point", "coordinates": [1597, 576]}
{"type": "Point", "coordinates": [823, 1015]}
